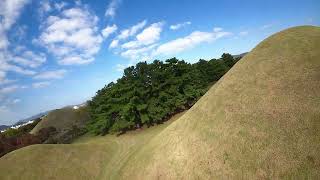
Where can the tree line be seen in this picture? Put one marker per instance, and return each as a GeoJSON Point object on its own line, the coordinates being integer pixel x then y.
{"type": "Point", "coordinates": [150, 93]}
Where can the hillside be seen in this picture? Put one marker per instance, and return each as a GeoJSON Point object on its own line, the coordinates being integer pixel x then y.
{"type": "Point", "coordinates": [3, 127]}
{"type": "Point", "coordinates": [259, 121]}
{"type": "Point", "coordinates": [65, 124]}
{"type": "Point", "coordinates": [98, 157]}
{"type": "Point", "coordinates": [32, 118]}
{"type": "Point", "coordinates": [63, 119]}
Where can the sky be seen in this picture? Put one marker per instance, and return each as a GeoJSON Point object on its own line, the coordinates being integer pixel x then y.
{"type": "Point", "coordinates": [58, 53]}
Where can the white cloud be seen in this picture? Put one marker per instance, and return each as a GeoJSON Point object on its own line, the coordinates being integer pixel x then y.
{"type": "Point", "coordinates": [148, 36]}
{"type": "Point", "coordinates": [8, 89]}
{"type": "Point", "coordinates": [112, 7]}
{"type": "Point", "coordinates": [2, 76]}
{"type": "Point", "coordinates": [41, 84]}
{"type": "Point", "coordinates": [15, 101]}
{"type": "Point", "coordinates": [121, 67]}
{"type": "Point", "coordinates": [124, 34]}
{"type": "Point", "coordinates": [3, 79]}
{"type": "Point", "coordinates": [138, 54]}
{"type": "Point", "coordinates": [70, 60]}
{"type": "Point", "coordinates": [243, 33]}
{"type": "Point", "coordinates": [114, 43]}
{"type": "Point", "coordinates": [217, 29]}
{"type": "Point", "coordinates": [45, 7]}
{"type": "Point", "coordinates": [180, 25]}
{"type": "Point", "coordinates": [266, 26]}
{"type": "Point", "coordinates": [5, 66]}
{"type": "Point", "coordinates": [30, 59]}
{"type": "Point", "coordinates": [190, 41]}
{"type": "Point", "coordinates": [72, 36]}
{"type": "Point", "coordinates": [10, 11]}
{"type": "Point", "coordinates": [106, 32]}
{"type": "Point", "coordinates": [57, 74]}
{"type": "Point", "coordinates": [60, 6]}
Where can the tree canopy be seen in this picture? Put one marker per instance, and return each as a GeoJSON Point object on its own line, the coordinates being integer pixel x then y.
{"type": "Point", "coordinates": [148, 94]}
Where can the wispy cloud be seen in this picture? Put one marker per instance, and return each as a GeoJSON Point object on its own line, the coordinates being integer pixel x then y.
{"type": "Point", "coordinates": [132, 30]}
{"type": "Point", "coordinates": [180, 25]}
{"type": "Point", "coordinates": [148, 36]}
{"type": "Point", "coordinates": [30, 59]}
{"type": "Point", "coordinates": [15, 101]}
{"type": "Point", "coordinates": [112, 7]}
{"type": "Point", "coordinates": [190, 41]}
{"type": "Point", "coordinates": [243, 33]}
{"type": "Point", "coordinates": [126, 33]}
{"type": "Point", "coordinates": [40, 84]}
{"type": "Point", "coordinates": [114, 43]}
{"type": "Point", "coordinates": [6, 66]}
{"type": "Point", "coordinates": [107, 31]}
{"type": "Point", "coordinates": [10, 10]}
{"type": "Point", "coordinates": [139, 53]}
{"type": "Point", "coordinates": [60, 5]}
{"type": "Point", "coordinates": [9, 89]}
{"type": "Point", "coordinates": [266, 26]}
{"type": "Point", "coordinates": [44, 8]}
{"type": "Point", "coordinates": [57, 74]}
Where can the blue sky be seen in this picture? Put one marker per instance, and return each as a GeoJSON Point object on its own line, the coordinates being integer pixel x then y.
{"type": "Point", "coordinates": [58, 53]}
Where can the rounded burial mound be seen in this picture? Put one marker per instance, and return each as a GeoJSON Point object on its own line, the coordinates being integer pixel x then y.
{"type": "Point", "coordinates": [63, 119]}
{"type": "Point", "coordinates": [261, 120]}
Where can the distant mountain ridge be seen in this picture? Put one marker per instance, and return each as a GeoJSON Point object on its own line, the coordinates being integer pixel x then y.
{"type": "Point", "coordinates": [240, 55]}
{"type": "Point", "coordinates": [31, 118]}
{"type": "Point", "coordinates": [23, 121]}
{"type": "Point", "coordinates": [3, 127]}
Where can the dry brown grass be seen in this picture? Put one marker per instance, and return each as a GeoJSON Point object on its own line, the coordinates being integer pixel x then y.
{"type": "Point", "coordinates": [90, 157]}
{"type": "Point", "coordinates": [63, 119]}
{"type": "Point", "coordinates": [260, 121]}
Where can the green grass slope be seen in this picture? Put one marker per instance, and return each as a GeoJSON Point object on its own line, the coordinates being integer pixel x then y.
{"type": "Point", "coordinates": [260, 121]}
{"type": "Point", "coordinates": [63, 119]}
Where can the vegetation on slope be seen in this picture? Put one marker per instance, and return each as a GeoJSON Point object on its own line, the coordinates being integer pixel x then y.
{"type": "Point", "coordinates": [13, 139]}
{"type": "Point", "coordinates": [21, 130]}
{"type": "Point", "coordinates": [151, 93]}
{"type": "Point", "coordinates": [90, 157]}
{"type": "Point", "coordinates": [69, 123]}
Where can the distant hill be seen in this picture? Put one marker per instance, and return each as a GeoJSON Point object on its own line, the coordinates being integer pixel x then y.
{"type": "Point", "coordinates": [3, 127]}
{"type": "Point", "coordinates": [62, 119]}
{"type": "Point", "coordinates": [24, 121]}
{"type": "Point", "coordinates": [69, 123]}
{"type": "Point", "coordinates": [240, 55]}
{"type": "Point", "coordinates": [259, 121]}
{"type": "Point", "coordinates": [31, 118]}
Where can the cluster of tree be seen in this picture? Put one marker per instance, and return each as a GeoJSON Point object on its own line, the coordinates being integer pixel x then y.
{"type": "Point", "coordinates": [149, 94]}
{"type": "Point", "coordinates": [21, 130]}
{"type": "Point", "coordinates": [16, 139]}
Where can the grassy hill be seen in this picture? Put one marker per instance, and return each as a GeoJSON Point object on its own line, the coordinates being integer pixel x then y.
{"type": "Point", "coordinates": [89, 157]}
{"type": "Point", "coordinates": [260, 121]}
{"type": "Point", "coordinates": [63, 119]}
